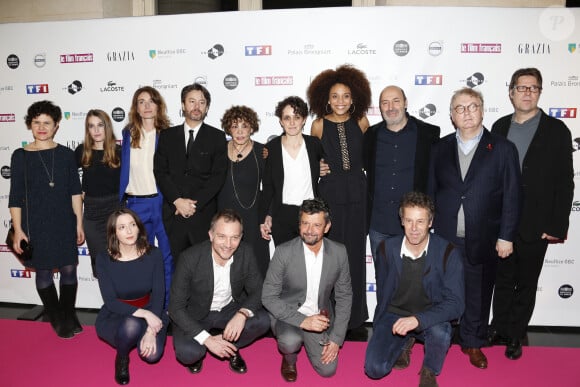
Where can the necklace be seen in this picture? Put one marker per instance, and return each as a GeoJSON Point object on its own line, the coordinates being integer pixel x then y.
{"type": "Point", "coordinates": [257, 183]}
{"type": "Point", "coordinates": [51, 175]}
{"type": "Point", "coordinates": [240, 153]}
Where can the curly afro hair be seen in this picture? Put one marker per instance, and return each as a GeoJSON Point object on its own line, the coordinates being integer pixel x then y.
{"type": "Point", "coordinates": [348, 75]}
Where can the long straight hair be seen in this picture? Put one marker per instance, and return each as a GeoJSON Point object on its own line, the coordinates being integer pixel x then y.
{"type": "Point", "coordinates": [142, 244]}
{"type": "Point", "coordinates": [136, 122]}
{"type": "Point", "coordinates": [110, 155]}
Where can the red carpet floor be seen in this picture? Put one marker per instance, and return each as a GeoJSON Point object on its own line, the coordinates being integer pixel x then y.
{"type": "Point", "coordinates": [32, 355]}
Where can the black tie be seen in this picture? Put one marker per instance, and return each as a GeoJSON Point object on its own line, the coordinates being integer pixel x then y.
{"type": "Point", "coordinates": [189, 143]}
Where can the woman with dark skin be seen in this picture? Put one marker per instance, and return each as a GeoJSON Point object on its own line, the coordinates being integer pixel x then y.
{"type": "Point", "coordinates": [339, 99]}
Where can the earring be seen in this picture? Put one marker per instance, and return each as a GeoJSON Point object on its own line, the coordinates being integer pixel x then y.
{"type": "Point", "coordinates": [353, 108]}
{"type": "Point", "coordinates": [326, 108]}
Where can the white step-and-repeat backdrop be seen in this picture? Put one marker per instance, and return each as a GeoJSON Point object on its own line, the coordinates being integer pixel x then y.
{"type": "Point", "coordinates": [258, 58]}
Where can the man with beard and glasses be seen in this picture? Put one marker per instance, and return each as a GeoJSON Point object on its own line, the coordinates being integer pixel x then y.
{"type": "Point", "coordinates": [308, 292]}
{"type": "Point", "coordinates": [191, 178]}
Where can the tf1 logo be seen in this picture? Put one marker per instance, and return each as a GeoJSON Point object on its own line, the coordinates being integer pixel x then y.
{"type": "Point", "coordinates": [258, 50]}
{"type": "Point", "coordinates": [429, 80]}
{"type": "Point", "coordinates": [563, 112]}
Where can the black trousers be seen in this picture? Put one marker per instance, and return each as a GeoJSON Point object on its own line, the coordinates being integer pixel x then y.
{"type": "Point", "coordinates": [515, 287]}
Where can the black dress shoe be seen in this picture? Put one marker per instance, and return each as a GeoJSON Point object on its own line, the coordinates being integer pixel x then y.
{"type": "Point", "coordinates": [513, 350]}
{"type": "Point", "coordinates": [122, 369]}
{"type": "Point", "coordinates": [494, 338]}
{"type": "Point", "coordinates": [196, 367]}
{"type": "Point", "coordinates": [237, 364]}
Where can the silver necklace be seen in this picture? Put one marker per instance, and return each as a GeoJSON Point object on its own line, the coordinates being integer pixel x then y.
{"type": "Point", "coordinates": [257, 182]}
{"type": "Point", "coordinates": [51, 175]}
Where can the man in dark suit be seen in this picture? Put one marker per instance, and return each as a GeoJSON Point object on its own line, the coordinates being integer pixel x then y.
{"type": "Point", "coordinates": [190, 167]}
{"type": "Point", "coordinates": [397, 152]}
{"type": "Point", "coordinates": [307, 290]}
{"type": "Point", "coordinates": [474, 180]}
{"type": "Point", "coordinates": [545, 152]}
{"type": "Point", "coordinates": [420, 290]}
{"type": "Point", "coordinates": [217, 285]}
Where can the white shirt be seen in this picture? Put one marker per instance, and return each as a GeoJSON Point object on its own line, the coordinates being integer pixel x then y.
{"type": "Point", "coordinates": [313, 262]}
{"type": "Point", "coordinates": [405, 251]}
{"type": "Point", "coordinates": [186, 130]}
{"type": "Point", "coordinates": [141, 178]}
{"type": "Point", "coordinates": [297, 179]}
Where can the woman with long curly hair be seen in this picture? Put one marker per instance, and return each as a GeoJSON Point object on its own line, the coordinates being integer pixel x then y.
{"type": "Point", "coordinates": [340, 99]}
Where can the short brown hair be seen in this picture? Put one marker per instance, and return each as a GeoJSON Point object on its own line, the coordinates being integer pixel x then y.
{"type": "Point", "coordinates": [240, 113]}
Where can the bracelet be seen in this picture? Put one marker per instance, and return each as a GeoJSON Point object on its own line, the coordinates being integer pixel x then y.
{"type": "Point", "coordinates": [245, 314]}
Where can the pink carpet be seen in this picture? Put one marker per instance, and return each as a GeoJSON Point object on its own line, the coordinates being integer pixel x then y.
{"type": "Point", "coordinates": [32, 355]}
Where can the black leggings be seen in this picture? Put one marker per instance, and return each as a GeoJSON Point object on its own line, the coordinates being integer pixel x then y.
{"type": "Point", "coordinates": [45, 277]}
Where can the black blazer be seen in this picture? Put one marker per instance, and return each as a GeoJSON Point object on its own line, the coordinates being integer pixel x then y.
{"type": "Point", "coordinates": [192, 285]}
{"type": "Point", "coordinates": [199, 177]}
{"type": "Point", "coordinates": [547, 178]}
{"type": "Point", "coordinates": [427, 135]}
{"type": "Point", "coordinates": [273, 179]}
{"type": "Point", "coordinates": [490, 194]}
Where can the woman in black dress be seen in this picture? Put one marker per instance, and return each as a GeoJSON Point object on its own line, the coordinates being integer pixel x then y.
{"type": "Point", "coordinates": [340, 99]}
{"type": "Point", "coordinates": [243, 185]}
{"type": "Point", "coordinates": [99, 156]}
{"type": "Point", "coordinates": [46, 209]}
{"type": "Point", "coordinates": [132, 285]}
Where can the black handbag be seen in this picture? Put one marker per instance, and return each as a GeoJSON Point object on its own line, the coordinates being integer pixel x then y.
{"type": "Point", "coordinates": [25, 246]}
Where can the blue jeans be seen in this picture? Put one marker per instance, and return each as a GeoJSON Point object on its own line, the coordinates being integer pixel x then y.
{"type": "Point", "coordinates": [384, 348]}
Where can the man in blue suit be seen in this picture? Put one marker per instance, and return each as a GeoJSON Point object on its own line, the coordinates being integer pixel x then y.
{"type": "Point", "coordinates": [474, 180]}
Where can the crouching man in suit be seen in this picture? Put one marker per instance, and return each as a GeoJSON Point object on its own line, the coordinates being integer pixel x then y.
{"type": "Point", "coordinates": [420, 289]}
{"type": "Point", "coordinates": [217, 286]}
{"type": "Point", "coordinates": [309, 277]}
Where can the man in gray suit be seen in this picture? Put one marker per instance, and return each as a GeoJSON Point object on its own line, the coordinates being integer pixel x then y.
{"type": "Point", "coordinates": [302, 275]}
{"type": "Point", "coordinates": [217, 286]}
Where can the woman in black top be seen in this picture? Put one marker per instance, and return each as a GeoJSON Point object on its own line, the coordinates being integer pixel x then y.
{"type": "Point", "coordinates": [100, 158]}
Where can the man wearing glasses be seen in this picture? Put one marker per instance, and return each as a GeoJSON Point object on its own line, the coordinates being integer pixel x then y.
{"type": "Point", "coordinates": [474, 179]}
{"type": "Point", "coordinates": [544, 145]}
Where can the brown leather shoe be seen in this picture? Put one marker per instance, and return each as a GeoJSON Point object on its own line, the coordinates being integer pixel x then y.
{"type": "Point", "coordinates": [288, 371]}
{"type": "Point", "coordinates": [405, 357]}
{"type": "Point", "coordinates": [476, 357]}
{"type": "Point", "coordinates": [428, 378]}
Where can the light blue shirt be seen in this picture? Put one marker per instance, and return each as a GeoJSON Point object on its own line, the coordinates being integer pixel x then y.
{"type": "Point", "coordinates": [467, 146]}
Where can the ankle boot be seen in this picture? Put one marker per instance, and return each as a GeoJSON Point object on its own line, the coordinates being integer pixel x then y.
{"type": "Point", "coordinates": [52, 312]}
{"type": "Point", "coordinates": [68, 297]}
{"type": "Point", "coordinates": [122, 369]}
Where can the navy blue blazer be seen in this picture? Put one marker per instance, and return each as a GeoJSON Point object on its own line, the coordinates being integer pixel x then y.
{"type": "Point", "coordinates": [490, 194]}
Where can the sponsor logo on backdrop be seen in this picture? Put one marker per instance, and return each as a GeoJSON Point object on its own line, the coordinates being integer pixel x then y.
{"type": "Point", "coordinates": [309, 49]}
{"type": "Point", "coordinates": [83, 251]}
{"type": "Point", "coordinates": [565, 291]}
{"type": "Point", "coordinates": [215, 51]}
{"type": "Point", "coordinates": [159, 85]}
{"type": "Point", "coordinates": [480, 48]}
{"type": "Point", "coordinates": [118, 114]}
{"type": "Point", "coordinates": [362, 49]}
{"type": "Point", "coordinates": [429, 80]}
{"type": "Point", "coordinates": [13, 61]}
{"type": "Point", "coordinates": [41, 88]}
{"type": "Point", "coordinates": [435, 48]}
{"type": "Point", "coordinates": [40, 60]}
{"type": "Point", "coordinates": [112, 87]}
{"type": "Point", "coordinates": [257, 50]}
{"type": "Point", "coordinates": [373, 111]}
{"type": "Point", "coordinates": [72, 144]}
{"type": "Point", "coordinates": [491, 109]}
{"type": "Point", "coordinates": [572, 81]}
{"type": "Point", "coordinates": [274, 80]}
{"type": "Point", "coordinates": [371, 287]}
{"type": "Point", "coordinates": [200, 79]}
{"type": "Point", "coordinates": [7, 117]}
{"type": "Point", "coordinates": [74, 87]}
{"type": "Point", "coordinates": [557, 262]}
{"type": "Point", "coordinates": [231, 81]}
{"type": "Point", "coordinates": [6, 88]}
{"type": "Point", "coordinates": [74, 116]}
{"type": "Point", "coordinates": [76, 58]}
{"type": "Point", "coordinates": [120, 56]}
{"type": "Point", "coordinates": [573, 47]}
{"type": "Point", "coordinates": [427, 111]}
{"type": "Point", "coordinates": [5, 171]}
{"type": "Point", "coordinates": [576, 205]}
{"type": "Point", "coordinates": [569, 112]}
{"type": "Point", "coordinates": [474, 80]}
{"type": "Point", "coordinates": [166, 53]}
{"type": "Point", "coordinates": [20, 273]}
{"type": "Point", "coordinates": [576, 146]}
{"type": "Point", "coordinates": [401, 48]}
{"type": "Point", "coordinates": [534, 48]}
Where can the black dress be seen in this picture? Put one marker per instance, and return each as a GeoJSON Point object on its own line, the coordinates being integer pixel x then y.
{"type": "Point", "coordinates": [49, 220]}
{"type": "Point", "coordinates": [241, 191]}
{"type": "Point", "coordinates": [345, 192]}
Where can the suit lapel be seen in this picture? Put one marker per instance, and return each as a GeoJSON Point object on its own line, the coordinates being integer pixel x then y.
{"type": "Point", "coordinates": [481, 153]}
{"type": "Point", "coordinates": [326, 267]}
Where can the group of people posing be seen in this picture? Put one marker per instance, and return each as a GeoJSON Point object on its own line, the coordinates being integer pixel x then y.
{"type": "Point", "coordinates": [450, 221]}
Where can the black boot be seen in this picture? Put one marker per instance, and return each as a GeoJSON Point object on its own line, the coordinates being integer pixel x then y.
{"type": "Point", "coordinates": [68, 297]}
{"type": "Point", "coordinates": [122, 369]}
{"type": "Point", "coordinates": [52, 311]}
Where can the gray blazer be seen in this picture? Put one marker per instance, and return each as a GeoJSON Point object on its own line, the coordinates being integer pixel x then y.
{"type": "Point", "coordinates": [284, 288]}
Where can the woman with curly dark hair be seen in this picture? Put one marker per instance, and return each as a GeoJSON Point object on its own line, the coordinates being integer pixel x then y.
{"type": "Point", "coordinates": [242, 188]}
{"type": "Point", "coordinates": [339, 99]}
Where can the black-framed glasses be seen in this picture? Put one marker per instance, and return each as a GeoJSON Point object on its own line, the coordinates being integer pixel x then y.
{"type": "Point", "coordinates": [472, 107]}
{"type": "Point", "coordinates": [525, 89]}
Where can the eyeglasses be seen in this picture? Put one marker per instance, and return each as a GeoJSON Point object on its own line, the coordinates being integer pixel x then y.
{"type": "Point", "coordinates": [460, 109]}
{"type": "Point", "coordinates": [525, 89]}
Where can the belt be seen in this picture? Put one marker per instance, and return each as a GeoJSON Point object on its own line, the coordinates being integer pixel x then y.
{"type": "Point", "coordinates": [141, 196]}
{"type": "Point", "coordinates": [138, 302]}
